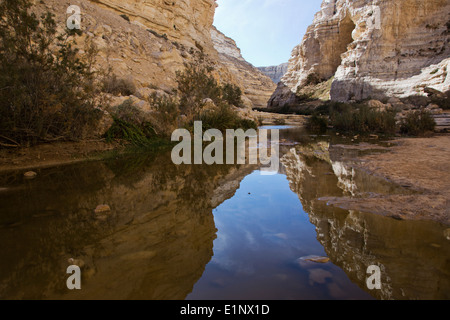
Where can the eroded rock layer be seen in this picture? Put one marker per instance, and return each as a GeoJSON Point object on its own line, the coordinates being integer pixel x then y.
{"type": "Point", "coordinates": [187, 21]}
{"type": "Point", "coordinates": [375, 49]}
{"type": "Point", "coordinates": [257, 87]}
{"type": "Point", "coordinates": [275, 72]}
{"type": "Point", "coordinates": [147, 42]}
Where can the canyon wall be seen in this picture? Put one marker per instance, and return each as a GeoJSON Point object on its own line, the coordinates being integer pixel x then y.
{"type": "Point", "coordinates": [257, 87]}
{"type": "Point", "coordinates": [376, 49]}
{"type": "Point", "coordinates": [147, 42]}
{"type": "Point", "coordinates": [275, 72]}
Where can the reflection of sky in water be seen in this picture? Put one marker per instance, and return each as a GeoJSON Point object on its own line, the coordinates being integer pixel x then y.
{"type": "Point", "coordinates": [283, 127]}
{"type": "Point", "coordinates": [262, 231]}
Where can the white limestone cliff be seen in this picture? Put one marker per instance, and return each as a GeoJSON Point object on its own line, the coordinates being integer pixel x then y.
{"type": "Point", "coordinates": [275, 72]}
{"type": "Point", "coordinates": [375, 48]}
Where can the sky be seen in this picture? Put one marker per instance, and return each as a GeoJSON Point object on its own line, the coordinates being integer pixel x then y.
{"type": "Point", "coordinates": [266, 31]}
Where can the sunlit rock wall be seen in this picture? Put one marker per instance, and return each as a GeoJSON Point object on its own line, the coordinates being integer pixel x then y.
{"type": "Point", "coordinates": [374, 49]}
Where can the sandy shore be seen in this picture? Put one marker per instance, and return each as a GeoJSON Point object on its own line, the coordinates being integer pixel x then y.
{"type": "Point", "coordinates": [54, 154]}
{"type": "Point", "coordinates": [421, 164]}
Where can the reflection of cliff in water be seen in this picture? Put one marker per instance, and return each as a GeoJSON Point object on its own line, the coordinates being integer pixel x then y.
{"type": "Point", "coordinates": [154, 244]}
{"type": "Point", "coordinates": [413, 255]}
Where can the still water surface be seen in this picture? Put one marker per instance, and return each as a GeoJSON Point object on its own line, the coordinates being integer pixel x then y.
{"type": "Point", "coordinates": [213, 232]}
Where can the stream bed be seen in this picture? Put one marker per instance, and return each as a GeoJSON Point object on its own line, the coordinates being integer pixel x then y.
{"type": "Point", "coordinates": [215, 232]}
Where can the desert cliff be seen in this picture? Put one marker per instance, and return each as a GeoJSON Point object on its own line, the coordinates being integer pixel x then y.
{"type": "Point", "coordinates": [373, 49]}
{"type": "Point", "coordinates": [147, 42]}
{"type": "Point", "coordinates": [275, 72]}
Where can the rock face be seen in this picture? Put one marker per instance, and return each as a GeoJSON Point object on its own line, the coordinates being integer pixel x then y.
{"type": "Point", "coordinates": [147, 42]}
{"type": "Point", "coordinates": [186, 21]}
{"type": "Point", "coordinates": [275, 72]}
{"type": "Point", "coordinates": [256, 86]}
{"type": "Point", "coordinates": [375, 49]}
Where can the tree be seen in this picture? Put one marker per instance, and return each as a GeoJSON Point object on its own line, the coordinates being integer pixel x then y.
{"type": "Point", "coordinates": [195, 84]}
{"type": "Point", "coordinates": [232, 94]}
{"type": "Point", "coordinates": [46, 91]}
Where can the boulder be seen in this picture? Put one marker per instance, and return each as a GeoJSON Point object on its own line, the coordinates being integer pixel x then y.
{"type": "Point", "coordinates": [350, 41]}
{"type": "Point", "coordinates": [447, 234]}
{"type": "Point", "coordinates": [433, 93]}
{"type": "Point", "coordinates": [30, 175]}
{"type": "Point", "coordinates": [102, 209]}
{"type": "Point", "coordinates": [377, 105]}
{"type": "Point", "coordinates": [104, 124]}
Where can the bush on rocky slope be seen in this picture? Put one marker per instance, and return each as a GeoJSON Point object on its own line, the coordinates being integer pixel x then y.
{"type": "Point", "coordinates": [47, 92]}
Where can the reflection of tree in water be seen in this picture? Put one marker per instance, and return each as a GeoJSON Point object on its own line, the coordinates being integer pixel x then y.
{"type": "Point", "coordinates": [413, 254]}
{"type": "Point", "coordinates": [154, 244]}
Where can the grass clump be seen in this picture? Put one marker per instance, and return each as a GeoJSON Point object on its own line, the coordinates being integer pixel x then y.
{"type": "Point", "coordinates": [136, 127]}
{"type": "Point", "coordinates": [140, 136]}
{"type": "Point", "coordinates": [130, 125]}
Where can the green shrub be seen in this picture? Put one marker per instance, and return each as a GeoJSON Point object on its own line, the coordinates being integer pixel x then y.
{"type": "Point", "coordinates": [362, 119]}
{"type": "Point", "coordinates": [232, 94]}
{"type": "Point", "coordinates": [434, 71]}
{"type": "Point", "coordinates": [132, 125]}
{"type": "Point", "coordinates": [443, 101]}
{"type": "Point", "coordinates": [129, 113]}
{"type": "Point", "coordinates": [118, 86]}
{"type": "Point", "coordinates": [47, 92]}
{"type": "Point", "coordinates": [167, 114]}
{"type": "Point", "coordinates": [312, 79]}
{"type": "Point", "coordinates": [163, 36]}
{"type": "Point", "coordinates": [304, 97]}
{"type": "Point", "coordinates": [323, 109]}
{"type": "Point", "coordinates": [247, 124]}
{"type": "Point", "coordinates": [417, 123]}
{"type": "Point", "coordinates": [224, 117]}
{"type": "Point", "coordinates": [285, 109]}
{"type": "Point", "coordinates": [195, 84]}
